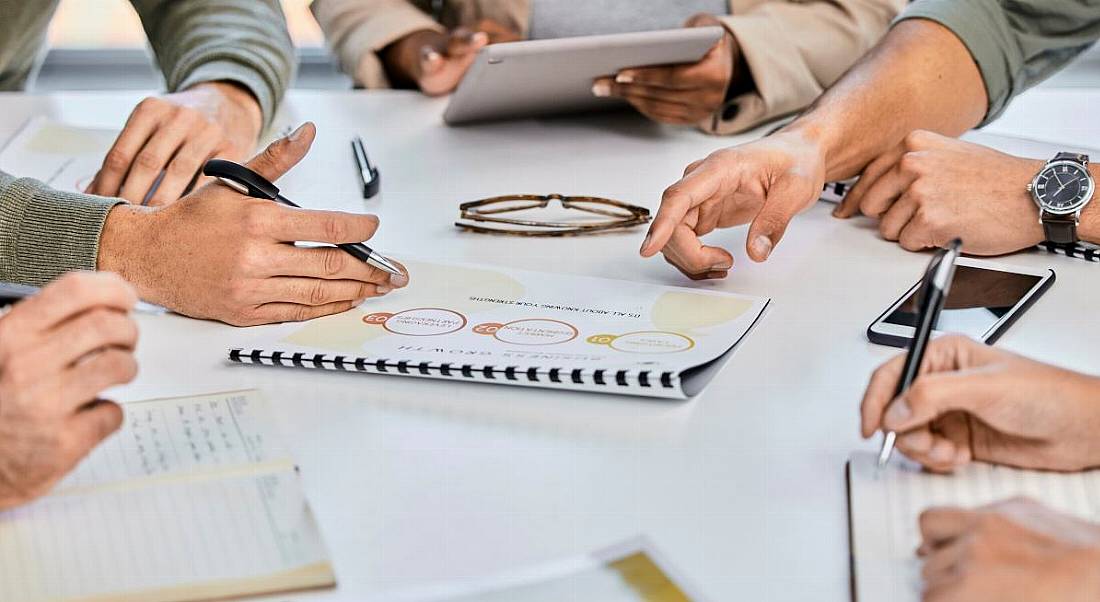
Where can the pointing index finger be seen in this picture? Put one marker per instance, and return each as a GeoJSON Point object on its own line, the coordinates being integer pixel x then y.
{"type": "Point", "coordinates": [691, 191]}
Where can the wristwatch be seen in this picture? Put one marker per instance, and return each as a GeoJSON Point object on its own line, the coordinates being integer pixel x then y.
{"type": "Point", "coordinates": [1061, 190]}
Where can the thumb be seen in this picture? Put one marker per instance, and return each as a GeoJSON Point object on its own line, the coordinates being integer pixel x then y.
{"type": "Point", "coordinates": [933, 395]}
{"type": "Point", "coordinates": [283, 154]}
{"type": "Point", "coordinates": [91, 425]}
{"type": "Point", "coordinates": [782, 202]}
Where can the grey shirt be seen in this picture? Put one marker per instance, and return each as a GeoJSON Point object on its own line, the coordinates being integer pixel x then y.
{"type": "Point", "coordinates": [1015, 43]}
{"type": "Point", "coordinates": [567, 18]}
{"type": "Point", "coordinates": [43, 232]}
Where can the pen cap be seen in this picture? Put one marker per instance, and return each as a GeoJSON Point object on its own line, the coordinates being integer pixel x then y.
{"type": "Point", "coordinates": [372, 186]}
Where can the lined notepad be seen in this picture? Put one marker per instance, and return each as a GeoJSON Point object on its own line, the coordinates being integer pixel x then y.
{"type": "Point", "coordinates": [884, 508]}
{"type": "Point", "coordinates": [193, 499]}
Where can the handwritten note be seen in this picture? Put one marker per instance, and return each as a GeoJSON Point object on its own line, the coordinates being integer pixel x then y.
{"type": "Point", "coordinates": [194, 498]}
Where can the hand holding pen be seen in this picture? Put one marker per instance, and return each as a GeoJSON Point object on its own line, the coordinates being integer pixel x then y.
{"type": "Point", "coordinates": [934, 290]}
{"type": "Point", "coordinates": [224, 255]}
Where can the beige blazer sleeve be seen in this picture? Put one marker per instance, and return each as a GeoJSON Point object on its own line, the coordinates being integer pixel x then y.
{"type": "Point", "coordinates": [356, 30]}
{"type": "Point", "coordinates": [795, 50]}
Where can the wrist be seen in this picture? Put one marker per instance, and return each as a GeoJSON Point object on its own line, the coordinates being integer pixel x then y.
{"type": "Point", "coordinates": [239, 97]}
{"type": "Point", "coordinates": [1089, 227]}
{"type": "Point", "coordinates": [126, 232]}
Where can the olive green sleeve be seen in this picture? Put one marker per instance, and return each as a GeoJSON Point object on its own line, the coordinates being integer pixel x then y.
{"type": "Point", "coordinates": [242, 41]}
{"type": "Point", "coordinates": [45, 233]}
{"type": "Point", "coordinates": [1015, 43]}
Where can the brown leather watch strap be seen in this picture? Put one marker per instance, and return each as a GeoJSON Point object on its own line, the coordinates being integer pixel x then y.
{"type": "Point", "coordinates": [1060, 229]}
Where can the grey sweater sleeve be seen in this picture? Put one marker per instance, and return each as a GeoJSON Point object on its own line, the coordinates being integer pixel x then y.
{"type": "Point", "coordinates": [1015, 43]}
{"type": "Point", "coordinates": [45, 233]}
{"type": "Point", "coordinates": [242, 41]}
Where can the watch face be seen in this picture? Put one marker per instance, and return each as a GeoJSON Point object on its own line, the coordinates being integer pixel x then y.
{"type": "Point", "coordinates": [1063, 187]}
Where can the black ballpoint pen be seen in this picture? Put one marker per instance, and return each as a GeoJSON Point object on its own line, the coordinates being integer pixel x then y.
{"type": "Point", "coordinates": [245, 181]}
{"type": "Point", "coordinates": [934, 290]}
{"type": "Point", "coordinates": [369, 176]}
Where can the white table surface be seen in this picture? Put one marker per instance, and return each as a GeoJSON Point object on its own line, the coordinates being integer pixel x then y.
{"type": "Point", "coordinates": [416, 482]}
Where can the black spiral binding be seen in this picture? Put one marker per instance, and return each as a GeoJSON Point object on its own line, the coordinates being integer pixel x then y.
{"type": "Point", "coordinates": [645, 379]}
{"type": "Point", "coordinates": [1080, 250]}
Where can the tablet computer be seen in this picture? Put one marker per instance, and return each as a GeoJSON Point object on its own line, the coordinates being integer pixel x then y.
{"type": "Point", "coordinates": [542, 77]}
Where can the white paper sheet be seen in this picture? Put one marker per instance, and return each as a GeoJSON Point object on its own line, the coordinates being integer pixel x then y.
{"type": "Point", "coordinates": [62, 155]}
{"type": "Point", "coordinates": [194, 498]}
{"type": "Point", "coordinates": [884, 510]}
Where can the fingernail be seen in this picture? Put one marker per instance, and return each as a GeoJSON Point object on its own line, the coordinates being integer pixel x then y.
{"type": "Point", "coordinates": [721, 267]}
{"type": "Point", "coordinates": [601, 89]}
{"type": "Point", "coordinates": [624, 78]}
{"type": "Point", "coordinates": [382, 289]}
{"type": "Point", "coordinates": [924, 550]}
{"type": "Point", "coordinates": [897, 414]}
{"type": "Point", "coordinates": [645, 243]}
{"type": "Point", "coordinates": [399, 280]}
{"type": "Point", "coordinates": [762, 246]}
{"type": "Point", "coordinates": [481, 38]}
{"type": "Point", "coordinates": [836, 212]}
{"type": "Point", "coordinates": [432, 56]}
{"type": "Point", "coordinates": [297, 133]}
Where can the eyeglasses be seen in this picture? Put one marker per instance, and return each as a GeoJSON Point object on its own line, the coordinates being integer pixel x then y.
{"type": "Point", "coordinates": [594, 214]}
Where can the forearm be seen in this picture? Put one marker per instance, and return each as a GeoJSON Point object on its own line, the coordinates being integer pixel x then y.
{"type": "Point", "coordinates": [45, 233]}
{"type": "Point", "coordinates": [783, 74]}
{"type": "Point", "coordinates": [920, 76]}
{"type": "Point", "coordinates": [241, 41]}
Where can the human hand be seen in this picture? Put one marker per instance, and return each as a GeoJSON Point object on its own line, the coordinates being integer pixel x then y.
{"type": "Point", "coordinates": [175, 134]}
{"type": "Point", "coordinates": [681, 94]}
{"type": "Point", "coordinates": [1011, 550]}
{"type": "Point", "coordinates": [765, 182]}
{"type": "Point", "coordinates": [220, 255]}
{"type": "Point", "coordinates": [436, 62]}
{"type": "Point", "coordinates": [58, 350]}
{"type": "Point", "coordinates": [935, 189]}
{"type": "Point", "coordinates": [975, 402]}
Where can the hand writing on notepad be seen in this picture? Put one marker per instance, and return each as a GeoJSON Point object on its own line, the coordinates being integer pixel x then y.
{"type": "Point", "coordinates": [1012, 550]}
{"type": "Point", "coordinates": [58, 351]}
{"type": "Point", "coordinates": [220, 255]}
{"type": "Point", "coordinates": [175, 134]}
{"type": "Point", "coordinates": [974, 402]}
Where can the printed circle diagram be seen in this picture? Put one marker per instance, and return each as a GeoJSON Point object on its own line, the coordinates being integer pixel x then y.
{"type": "Point", "coordinates": [419, 322]}
{"type": "Point", "coordinates": [645, 341]}
{"type": "Point", "coordinates": [530, 331]}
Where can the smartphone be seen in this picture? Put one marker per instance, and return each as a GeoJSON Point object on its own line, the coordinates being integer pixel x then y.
{"type": "Point", "coordinates": [984, 300]}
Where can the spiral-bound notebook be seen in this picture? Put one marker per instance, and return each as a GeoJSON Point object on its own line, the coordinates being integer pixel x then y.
{"type": "Point", "coordinates": [488, 324]}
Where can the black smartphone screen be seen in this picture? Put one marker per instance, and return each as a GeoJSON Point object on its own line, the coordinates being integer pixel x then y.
{"type": "Point", "coordinates": [977, 300]}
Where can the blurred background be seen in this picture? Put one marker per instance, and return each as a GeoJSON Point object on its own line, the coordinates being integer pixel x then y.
{"type": "Point", "coordinates": [99, 44]}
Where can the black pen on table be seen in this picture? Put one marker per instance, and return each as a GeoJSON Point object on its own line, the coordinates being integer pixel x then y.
{"type": "Point", "coordinates": [247, 182]}
{"type": "Point", "coordinates": [369, 176]}
{"type": "Point", "coordinates": [934, 290]}
{"type": "Point", "coordinates": [11, 293]}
